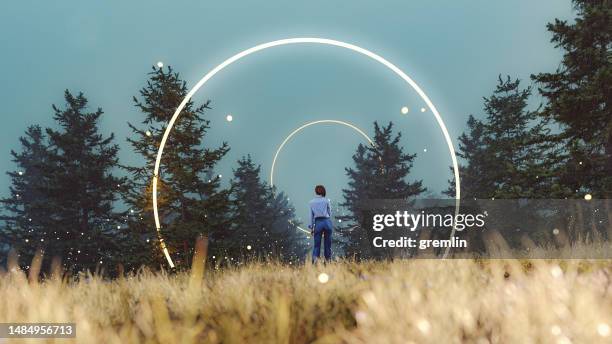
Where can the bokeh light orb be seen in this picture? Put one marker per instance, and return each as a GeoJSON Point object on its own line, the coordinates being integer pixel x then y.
{"type": "Point", "coordinates": [404, 110]}
{"type": "Point", "coordinates": [588, 197]}
{"type": "Point", "coordinates": [323, 278]}
{"type": "Point", "coordinates": [229, 118]}
{"type": "Point", "coordinates": [160, 64]}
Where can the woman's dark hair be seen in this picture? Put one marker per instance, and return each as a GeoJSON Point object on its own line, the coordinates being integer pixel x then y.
{"type": "Point", "coordinates": [320, 190]}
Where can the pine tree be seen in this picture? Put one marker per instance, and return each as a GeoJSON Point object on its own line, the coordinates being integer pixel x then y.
{"type": "Point", "coordinates": [68, 190]}
{"type": "Point", "coordinates": [27, 217]}
{"type": "Point", "coordinates": [379, 172]}
{"type": "Point", "coordinates": [264, 224]}
{"type": "Point", "coordinates": [476, 179]}
{"type": "Point", "coordinates": [579, 94]}
{"type": "Point", "coordinates": [83, 187]}
{"type": "Point", "coordinates": [506, 155]}
{"type": "Point", "coordinates": [191, 202]}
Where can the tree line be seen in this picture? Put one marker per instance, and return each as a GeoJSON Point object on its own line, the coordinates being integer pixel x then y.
{"type": "Point", "coordinates": [67, 182]}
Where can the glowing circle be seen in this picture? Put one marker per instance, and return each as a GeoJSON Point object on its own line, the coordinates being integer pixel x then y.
{"type": "Point", "coordinates": [423, 109]}
{"type": "Point", "coordinates": [299, 40]}
{"type": "Point", "coordinates": [304, 126]}
{"type": "Point", "coordinates": [160, 64]}
{"type": "Point", "coordinates": [588, 197]}
{"type": "Point", "coordinates": [229, 118]}
{"type": "Point", "coordinates": [404, 110]}
{"type": "Point", "coordinates": [293, 133]}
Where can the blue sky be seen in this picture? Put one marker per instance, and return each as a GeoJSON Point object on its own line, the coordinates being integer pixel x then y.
{"type": "Point", "coordinates": [453, 49]}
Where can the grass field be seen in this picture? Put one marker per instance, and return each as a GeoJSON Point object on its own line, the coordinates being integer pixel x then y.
{"type": "Point", "coordinates": [404, 301]}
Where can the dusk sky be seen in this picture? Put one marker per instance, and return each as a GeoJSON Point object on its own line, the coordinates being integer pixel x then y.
{"type": "Point", "coordinates": [453, 49]}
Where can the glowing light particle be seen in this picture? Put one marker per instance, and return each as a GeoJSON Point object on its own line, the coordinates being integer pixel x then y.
{"type": "Point", "coordinates": [425, 150]}
{"type": "Point", "coordinates": [229, 118]}
{"type": "Point", "coordinates": [424, 326]}
{"type": "Point", "coordinates": [323, 278]}
{"type": "Point", "coordinates": [603, 330]}
{"type": "Point", "coordinates": [160, 64]}
{"type": "Point", "coordinates": [20, 173]}
{"type": "Point", "coordinates": [423, 109]}
{"type": "Point", "coordinates": [556, 231]}
{"type": "Point", "coordinates": [249, 247]}
{"type": "Point", "coordinates": [588, 197]}
{"type": "Point", "coordinates": [556, 272]}
{"type": "Point", "coordinates": [404, 110]}
{"type": "Point", "coordinates": [148, 133]}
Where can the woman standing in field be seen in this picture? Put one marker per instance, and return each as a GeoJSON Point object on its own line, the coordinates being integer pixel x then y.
{"type": "Point", "coordinates": [320, 223]}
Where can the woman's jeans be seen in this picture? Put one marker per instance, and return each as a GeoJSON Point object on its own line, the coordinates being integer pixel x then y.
{"type": "Point", "coordinates": [322, 228]}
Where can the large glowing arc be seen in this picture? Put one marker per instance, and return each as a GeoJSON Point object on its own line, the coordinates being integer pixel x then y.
{"type": "Point", "coordinates": [300, 40]}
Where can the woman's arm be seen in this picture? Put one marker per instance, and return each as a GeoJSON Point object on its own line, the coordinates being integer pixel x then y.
{"type": "Point", "coordinates": [312, 219]}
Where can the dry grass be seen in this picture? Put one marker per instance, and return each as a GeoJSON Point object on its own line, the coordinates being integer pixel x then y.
{"type": "Point", "coordinates": [405, 301]}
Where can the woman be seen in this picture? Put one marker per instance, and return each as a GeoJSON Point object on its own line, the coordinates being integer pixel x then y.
{"type": "Point", "coordinates": [320, 223]}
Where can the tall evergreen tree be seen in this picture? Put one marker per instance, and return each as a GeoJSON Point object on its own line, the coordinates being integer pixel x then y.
{"type": "Point", "coordinates": [380, 171]}
{"type": "Point", "coordinates": [506, 155]}
{"type": "Point", "coordinates": [191, 201]}
{"type": "Point", "coordinates": [83, 187]}
{"type": "Point", "coordinates": [70, 193]}
{"type": "Point", "coordinates": [579, 94]}
{"type": "Point", "coordinates": [26, 210]}
{"type": "Point", "coordinates": [264, 223]}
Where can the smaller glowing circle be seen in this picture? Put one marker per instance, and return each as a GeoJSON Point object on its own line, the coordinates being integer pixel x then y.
{"type": "Point", "coordinates": [588, 197]}
{"type": "Point", "coordinates": [229, 118]}
{"type": "Point", "coordinates": [425, 150]}
{"type": "Point", "coordinates": [404, 110]}
{"type": "Point", "coordinates": [249, 247]}
{"type": "Point", "coordinates": [423, 109]}
{"type": "Point", "coordinates": [323, 278]}
{"type": "Point", "coordinates": [160, 64]}
{"type": "Point", "coordinates": [556, 231]}
{"type": "Point", "coordinates": [148, 133]}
